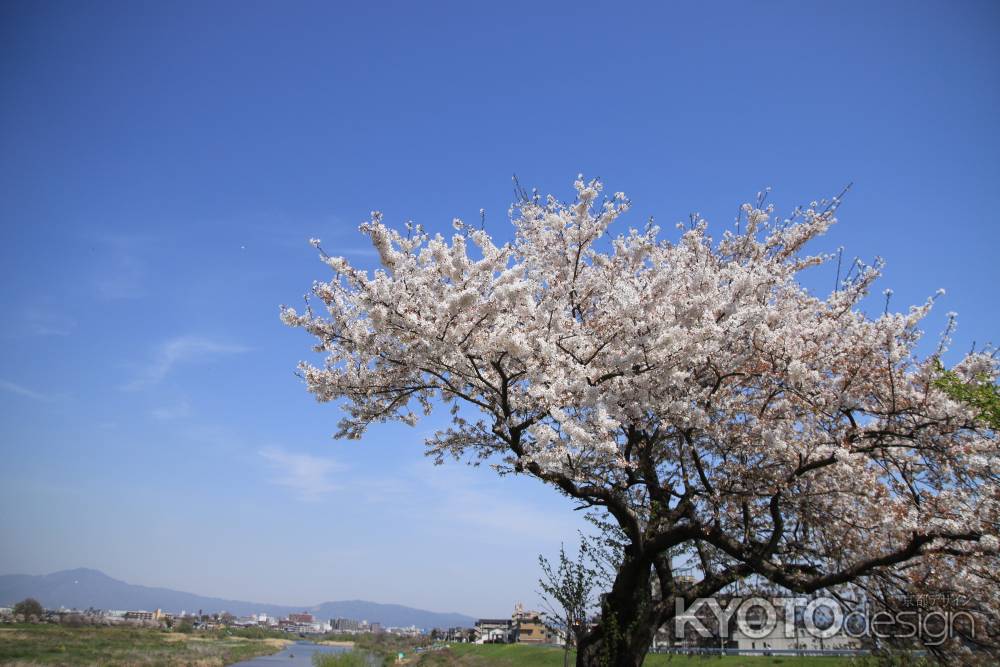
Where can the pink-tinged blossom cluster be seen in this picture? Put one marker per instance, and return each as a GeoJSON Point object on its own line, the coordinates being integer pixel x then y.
{"type": "Point", "coordinates": [695, 389]}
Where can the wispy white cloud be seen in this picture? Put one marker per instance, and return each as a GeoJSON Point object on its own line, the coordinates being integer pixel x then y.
{"type": "Point", "coordinates": [43, 323]}
{"type": "Point", "coordinates": [180, 350]}
{"type": "Point", "coordinates": [172, 411]}
{"type": "Point", "coordinates": [469, 497]}
{"type": "Point", "coordinates": [21, 390]}
{"type": "Point", "coordinates": [308, 476]}
{"type": "Point", "coordinates": [467, 500]}
{"type": "Point", "coordinates": [39, 321]}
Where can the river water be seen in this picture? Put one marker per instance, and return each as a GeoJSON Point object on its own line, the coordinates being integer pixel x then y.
{"type": "Point", "coordinates": [298, 654]}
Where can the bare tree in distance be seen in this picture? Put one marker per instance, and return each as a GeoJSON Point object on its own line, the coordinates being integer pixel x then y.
{"type": "Point", "coordinates": [29, 608]}
{"type": "Point", "coordinates": [569, 592]}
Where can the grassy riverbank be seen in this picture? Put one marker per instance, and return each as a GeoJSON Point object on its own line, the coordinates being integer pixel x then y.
{"type": "Point", "coordinates": [28, 645]}
{"type": "Point", "coordinates": [370, 650]}
{"type": "Point", "coordinates": [515, 655]}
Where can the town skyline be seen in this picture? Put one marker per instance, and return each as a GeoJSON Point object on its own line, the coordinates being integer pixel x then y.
{"type": "Point", "coordinates": [82, 588]}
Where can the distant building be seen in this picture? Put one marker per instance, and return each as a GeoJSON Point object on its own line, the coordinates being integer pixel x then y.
{"type": "Point", "coordinates": [775, 640]}
{"type": "Point", "coordinates": [524, 627]}
{"type": "Point", "coordinates": [758, 638]}
{"type": "Point", "coordinates": [345, 625]}
{"type": "Point", "coordinates": [143, 615]}
{"type": "Point", "coordinates": [528, 626]}
{"type": "Point", "coordinates": [461, 635]}
{"type": "Point", "coordinates": [304, 617]}
{"type": "Point", "coordinates": [494, 631]}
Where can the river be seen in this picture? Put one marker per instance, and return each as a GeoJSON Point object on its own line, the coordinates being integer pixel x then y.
{"type": "Point", "coordinates": [298, 654]}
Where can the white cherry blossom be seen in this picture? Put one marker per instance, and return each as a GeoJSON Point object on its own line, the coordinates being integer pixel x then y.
{"type": "Point", "coordinates": [694, 389]}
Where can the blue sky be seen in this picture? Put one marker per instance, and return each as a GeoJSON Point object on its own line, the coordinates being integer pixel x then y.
{"type": "Point", "coordinates": [163, 166]}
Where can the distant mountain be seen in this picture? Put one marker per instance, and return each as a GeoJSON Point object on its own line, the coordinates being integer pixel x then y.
{"type": "Point", "coordinates": [82, 588]}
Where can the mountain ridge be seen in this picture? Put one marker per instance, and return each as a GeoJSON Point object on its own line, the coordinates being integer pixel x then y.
{"type": "Point", "coordinates": [87, 587]}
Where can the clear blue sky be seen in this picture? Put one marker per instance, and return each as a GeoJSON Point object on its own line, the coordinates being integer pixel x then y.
{"type": "Point", "coordinates": [162, 166]}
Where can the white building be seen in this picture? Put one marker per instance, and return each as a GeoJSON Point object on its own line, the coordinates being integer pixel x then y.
{"type": "Point", "coordinates": [494, 631]}
{"type": "Point", "coordinates": [752, 643]}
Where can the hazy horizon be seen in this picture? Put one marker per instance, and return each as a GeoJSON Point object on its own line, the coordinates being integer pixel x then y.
{"type": "Point", "coordinates": [269, 603]}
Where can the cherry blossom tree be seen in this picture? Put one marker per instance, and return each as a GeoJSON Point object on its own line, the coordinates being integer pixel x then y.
{"type": "Point", "coordinates": [694, 390]}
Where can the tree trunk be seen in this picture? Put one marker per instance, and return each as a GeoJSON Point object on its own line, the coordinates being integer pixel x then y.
{"type": "Point", "coordinates": [629, 620]}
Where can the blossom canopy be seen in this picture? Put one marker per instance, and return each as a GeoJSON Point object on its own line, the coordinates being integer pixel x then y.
{"type": "Point", "coordinates": [694, 389]}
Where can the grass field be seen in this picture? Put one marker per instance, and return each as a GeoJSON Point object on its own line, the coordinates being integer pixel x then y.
{"type": "Point", "coordinates": [514, 655]}
{"type": "Point", "coordinates": [27, 645]}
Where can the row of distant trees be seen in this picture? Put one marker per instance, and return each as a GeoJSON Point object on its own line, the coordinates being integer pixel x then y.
{"type": "Point", "coordinates": [30, 610]}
